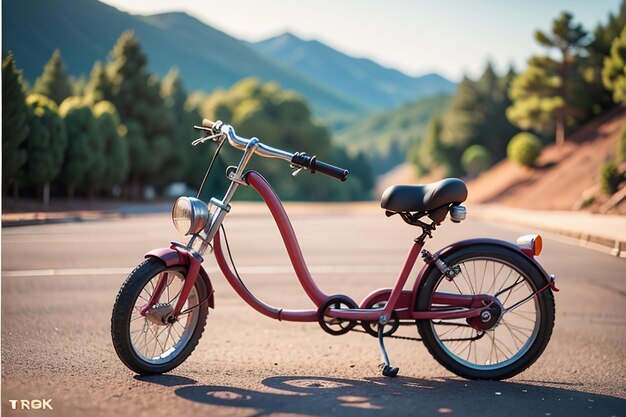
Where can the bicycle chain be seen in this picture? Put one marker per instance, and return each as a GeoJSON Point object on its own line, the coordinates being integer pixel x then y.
{"type": "Point", "coordinates": [419, 339]}
{"type": "Point", "coordinates": [415, 339]}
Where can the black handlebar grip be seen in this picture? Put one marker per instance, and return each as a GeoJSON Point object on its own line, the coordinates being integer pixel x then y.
{"type": "Point", "coordinates": [330, 170]}
{"type": "Point", "coordinates": [311, 163]}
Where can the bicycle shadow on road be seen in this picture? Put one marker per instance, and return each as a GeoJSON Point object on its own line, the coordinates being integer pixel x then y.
{"type": "Point", "coordinates": [323, 396]}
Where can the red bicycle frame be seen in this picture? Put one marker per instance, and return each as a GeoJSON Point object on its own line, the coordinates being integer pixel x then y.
{"type": "Point", "coordinates": [398, 300]}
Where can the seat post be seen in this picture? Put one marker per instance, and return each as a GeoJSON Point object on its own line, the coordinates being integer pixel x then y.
{"type": "Point", "coordinates": [427, 230]}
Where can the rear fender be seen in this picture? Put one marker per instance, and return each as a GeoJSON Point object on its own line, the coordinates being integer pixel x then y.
{"type": "Point", "coordinates": [450, 249]}
{"type": "Point", "coordinates": [175, 255]}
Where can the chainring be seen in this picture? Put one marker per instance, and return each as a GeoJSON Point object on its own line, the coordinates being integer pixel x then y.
{"type": "Point", "coordinates": [341, 326]}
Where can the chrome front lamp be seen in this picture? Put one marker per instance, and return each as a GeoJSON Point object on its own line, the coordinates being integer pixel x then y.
{"type": "Point", "coordinates": [190, 215]}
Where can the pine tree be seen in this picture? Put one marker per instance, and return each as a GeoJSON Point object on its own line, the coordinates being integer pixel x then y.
{"type": "Point", "coordinates": [460, 124]}
{"type": "Point", "coordinates": [538, 100]}
{"type": "Point", "coordinates": [544, 93]}
{"type": "Point", "coordinates": [495, 129]}
{"type": "Point", "coordinates": [15, 114]}
{"type": "Point", "coordinates": [79, 85]}
{"type": "Point", "coordinates": [181, 158]}
{"type": "Point", "coordinates": [604, 35]}
{"type": "Point", "coordinates": [136, 95]}
{"type": "Point", "coordinates": [614, 71]}
{"type": "Point", "coordinates": [46, 144]}
{"type": "Point", "coordinates": [535, 96]}
{"type": "Point", "coordinates": [115, 152]}
{"type": "Point", "coordinates": [476, 116]}
{"type": "Point", "coordinates": [84, 152]}
{"type": "Point", "coordinates": [98, 87]}
{"type": "Point", "coordinates": [594, 96]}
{"type": "Point", "coordinates": [433, 152]}
{"type": "Point", "coordinates": [53, 82]}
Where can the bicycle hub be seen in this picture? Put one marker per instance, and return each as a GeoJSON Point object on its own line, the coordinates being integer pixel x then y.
{"type": "Point", "coordinates": [159, 313]}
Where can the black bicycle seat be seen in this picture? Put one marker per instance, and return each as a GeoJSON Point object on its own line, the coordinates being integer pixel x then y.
{"type": "Point", "coordinates": [421, 198]}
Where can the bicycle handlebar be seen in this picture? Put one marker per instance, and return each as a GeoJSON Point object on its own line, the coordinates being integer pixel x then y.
{"type": "Point", "coordinates": [299, 159]}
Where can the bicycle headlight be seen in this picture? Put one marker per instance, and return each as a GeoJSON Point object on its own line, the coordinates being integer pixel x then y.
{"type": "Point", "coordinates": [190, 215]}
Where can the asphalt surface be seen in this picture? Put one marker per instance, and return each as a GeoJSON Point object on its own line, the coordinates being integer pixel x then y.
{"type": "Point", "coordinates": [59, 282]}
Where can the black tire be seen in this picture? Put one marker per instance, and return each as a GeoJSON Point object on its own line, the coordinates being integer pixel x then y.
{"type": "Point", "coordinates": [132, 292]}
{"type": "Point", "coordinates": [535, 318]}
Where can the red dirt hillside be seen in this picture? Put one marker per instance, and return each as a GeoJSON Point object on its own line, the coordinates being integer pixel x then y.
{"type": "Point", "coordinates": [564, 176]}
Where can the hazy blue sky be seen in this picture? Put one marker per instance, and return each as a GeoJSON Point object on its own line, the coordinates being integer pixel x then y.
{"type": "Point", "coordinates": [450, 37]}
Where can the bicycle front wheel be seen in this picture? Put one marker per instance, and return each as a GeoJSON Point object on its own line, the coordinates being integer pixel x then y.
{"type": "Point", "coordinates": [521, 323]}
{"type": "Point", "coordinates": [150, 346]}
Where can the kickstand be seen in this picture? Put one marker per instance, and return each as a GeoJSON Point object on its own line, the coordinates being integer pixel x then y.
{"type": "Point", "coordinates": [387, 369]}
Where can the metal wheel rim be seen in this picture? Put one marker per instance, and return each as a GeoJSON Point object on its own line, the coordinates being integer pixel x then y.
{"type": "Point", "coordinates": [156, 344]}
{"type": "Point", "coordinates": [532, 332]}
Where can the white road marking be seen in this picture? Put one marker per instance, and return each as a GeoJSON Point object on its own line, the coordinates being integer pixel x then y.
{"type": "Point", "coordinates": [244, 270]}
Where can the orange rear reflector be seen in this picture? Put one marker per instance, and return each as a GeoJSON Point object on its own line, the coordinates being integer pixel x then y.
{"type": "Point", "coordinates": [537, 245]}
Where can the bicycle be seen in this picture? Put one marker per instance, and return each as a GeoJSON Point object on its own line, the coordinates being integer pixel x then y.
{"type": "Point", "coordinates": [462, 296]}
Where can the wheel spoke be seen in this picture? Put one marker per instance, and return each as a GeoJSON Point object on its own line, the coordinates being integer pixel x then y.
{"type": "Point", "coordinates": [457, 287]}
{"type": "Point", "coordinates": [167, 287]}
{"type": "Point", "coordinates": [475, 275]}
{"type": "Point", "coordinates": [510, 289]}
{"type": "Point", "coordinates": [448, 331]}
{"type": "Point", "coordinates": [515, 337]}
{"type": "Point", "coordinates": [169, 334]}
{"type": "Point", "coordinates": [140, 332]}
{"type": "Point", "coordinates": [158, 342]}
{"type": "Point", "coordinates": [146, 345]}
{"type": "Point", "coordinates": [156, 338]}
{"type": "Point", "coordinates": [492, 336]}
{"type": "Point", "coordinates": [175, 297]}
{"type": "Point", "coordinates": [507, 356]}
{"type": "Point", "coordinates": [517, 313]}
{"type": "Point", "coordinates": [469, 351]}
{"type": "Point", "coordinates": [463, 350]}
{"type": "Point", "coordinates": [482, 281]}
{"type": "Point", "coordinates": [505, 280]}
{"type": "Point", "coordinates": [174, 328]}
{"type": "Point", "coordinates": [519, 328]}
{"type": "Point", "coordinates": [466, 280]}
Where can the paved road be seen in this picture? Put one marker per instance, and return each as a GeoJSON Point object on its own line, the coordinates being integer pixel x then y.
{"type": "Point", "coordinates": [59, 283]}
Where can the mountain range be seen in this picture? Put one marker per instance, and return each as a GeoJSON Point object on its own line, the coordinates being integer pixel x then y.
{"type": "Point", "coordinates": [86, 30]}
{"type": "Point", "coordinates": [386, 136]}
{"type": "Point", "coordinates": [335, 84]}
{"type": "Point", "coordinates": [362, 79]}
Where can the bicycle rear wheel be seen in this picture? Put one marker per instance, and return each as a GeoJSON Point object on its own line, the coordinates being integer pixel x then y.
{"type": "Point", "coordinates": [520, 330]}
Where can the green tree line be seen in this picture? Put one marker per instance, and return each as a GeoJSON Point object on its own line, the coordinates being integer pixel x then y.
{"type": "Point", "coordinates": [124, 129]}
{"type": "Point", "coordinates": [581, 74]}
